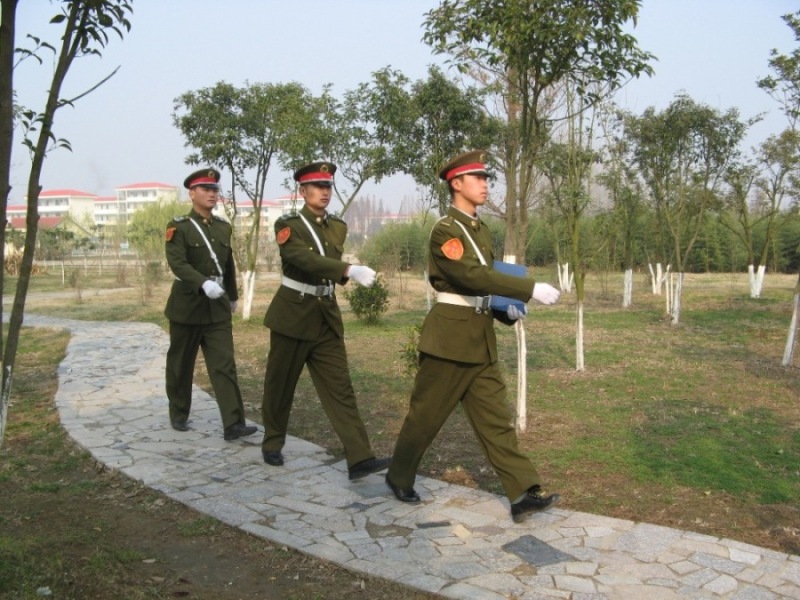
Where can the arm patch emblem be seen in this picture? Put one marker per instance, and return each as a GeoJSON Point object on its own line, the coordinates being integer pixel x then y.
{"type": "Point", "coordinates": [453, 249]}
{"type": "Point", "coordinates": [170, 232]}
{"type": "Point", "coordinates": [283, 235]}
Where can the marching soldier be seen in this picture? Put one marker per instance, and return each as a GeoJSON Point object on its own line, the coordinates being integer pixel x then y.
{"type": "Point", "coordinates": [200, 307]}
{"type": "Point", "coordinates": [306, 325]}
{"type": "Point", "coordinates": [458, 348]}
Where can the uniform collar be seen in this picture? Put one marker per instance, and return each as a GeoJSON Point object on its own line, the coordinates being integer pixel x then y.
{"type": "Point", "coordinates": [470, 220]}
{"type": "Point", "coordinates": [318, 219]}
{"type": "Point", "coordinates": [200, 218]}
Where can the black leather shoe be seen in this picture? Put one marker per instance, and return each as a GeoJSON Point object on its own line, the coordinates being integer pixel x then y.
{"type": "Point", "coordinates": [366, 467]}
{"type": "Point", "coordinates": [274, 458]}
{"type": "Point", "coordinates": [179, 425]}
{"type": "Point", "coordinates": [237, 430]}
{"type": "Point", "coordinates": [533, 501]}
{"type": "Point", "coordinates": [403, 495]}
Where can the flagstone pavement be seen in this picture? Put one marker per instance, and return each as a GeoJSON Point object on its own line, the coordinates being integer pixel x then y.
{"type": "Point", "coordinates": [457, 543]}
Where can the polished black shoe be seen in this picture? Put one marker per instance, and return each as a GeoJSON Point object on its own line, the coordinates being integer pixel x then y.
{"type": "Point", "coordinates": [366, 467]}
{"type": "Point", "coordinates": [533, 501]}
{"type": "Point", "coordinates": [403, 495]}
{"type": "Point", "coordinates": [237, 430]}
{"type": "Point", "coordinates": [274, 458]}
{"type": "Point", "coordinates": [179, 425]}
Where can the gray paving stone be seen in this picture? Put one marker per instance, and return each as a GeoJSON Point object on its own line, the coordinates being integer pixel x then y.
{"type": "Point", "coordinates": [458, 543]}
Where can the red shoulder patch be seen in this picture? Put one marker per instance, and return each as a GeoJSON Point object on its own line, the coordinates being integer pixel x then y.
{"type": "Point", "coordinates": [283, 235]}
{"type": "Point", "coordinates": [453, 249]}
{"type": "Point", "coordinates": [170, 232]}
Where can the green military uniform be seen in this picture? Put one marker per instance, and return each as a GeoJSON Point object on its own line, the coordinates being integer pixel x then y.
{"type": "Point", "coordinates": [458, 359]}
{"type": "Point", "coordinates": [197, 321]}
{"type": "Point", "coordinates": [306, 329]}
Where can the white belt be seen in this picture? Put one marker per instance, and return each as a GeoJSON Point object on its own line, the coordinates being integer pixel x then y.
{"type": "Point", "coordinates": [306, 288]}
{"type": "Point", "coordinates": [479, 303]}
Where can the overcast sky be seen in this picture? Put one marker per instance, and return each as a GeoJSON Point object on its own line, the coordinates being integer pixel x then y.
{"type": "Point", "coordinates": [122, 133]}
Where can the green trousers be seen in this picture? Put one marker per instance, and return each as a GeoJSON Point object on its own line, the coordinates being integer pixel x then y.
{"type": "Point", "coordinates": [326, 358]}
{"type": "Point", "coordinates": [439, 386]}
{"type": "Point", "coordinates": [216, 340]}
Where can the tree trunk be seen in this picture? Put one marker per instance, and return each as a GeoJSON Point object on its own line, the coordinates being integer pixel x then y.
{"type": "Point", "coordinates": [522, 377]}
{"type": "Point", "coordinates": [579, 364]}
{"type": "Point", "coordinates": [756, 278]}
{"type": "Point", "coordinates": [627, 289]}
{"type": "Point", "coordinates": [676, 300]}
{"type": "Point", "coordinates": [248, 289]}
{"type": "Point", "coordinates": [788, 351]}
{"type": "Point", "coordinates": [565, 278]}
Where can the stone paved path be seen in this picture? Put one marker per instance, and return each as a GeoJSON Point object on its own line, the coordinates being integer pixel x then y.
{"type": "Point", "coordinates": [458, 543]}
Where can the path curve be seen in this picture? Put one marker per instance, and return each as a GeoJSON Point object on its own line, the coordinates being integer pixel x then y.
{"type": "Point", "coordinates": [458, 543]}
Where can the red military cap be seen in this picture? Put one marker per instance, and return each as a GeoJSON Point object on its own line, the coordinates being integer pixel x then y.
{"type": "Point", "coordinates": [207, 177]}
{"type": "Point", "coordinates": [316, 172]}
{"type": "Point", "coordinates": [473, 162]}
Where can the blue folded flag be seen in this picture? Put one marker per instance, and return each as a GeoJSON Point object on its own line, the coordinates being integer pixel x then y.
{"type": "Point", "coordinates": [502, 302]}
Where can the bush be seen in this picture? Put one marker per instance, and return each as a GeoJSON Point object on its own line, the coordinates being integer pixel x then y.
{"type": "Point", "coordinates": [369, 303]}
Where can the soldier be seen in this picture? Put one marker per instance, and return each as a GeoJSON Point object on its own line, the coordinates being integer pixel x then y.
{"type": "Point", "coordinates": [306, 325]}
{"type": "Point", "coordinates": [458, 348]}
{"type": "Point", "coordinates": [200, 307]}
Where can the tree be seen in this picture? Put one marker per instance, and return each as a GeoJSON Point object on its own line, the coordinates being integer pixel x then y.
{"type": "Point", "coordinates": [620, 180]}
{"type": "Point", "coordinates": [242, 131]}
{"type": "Point", "coordinates": [444, 120]}
{"type": "Point", "coordinates": [682, 154]}
{"type": "Point", "coordinates": [524, 52]}
{"type": "Point", "coordinates": [147, 226]}
{"type": "Point", "coordinates": [567, 167]}
{"type": "Point", "coordinates": [84, 31]}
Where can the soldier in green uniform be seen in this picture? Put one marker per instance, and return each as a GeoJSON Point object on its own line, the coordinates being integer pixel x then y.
{"type": "Point", "coordinates": [458, 348]}
{"type": "Point", "coordinates": [200, 306]}
{"type": "Point", "coordinates": [306, 326]}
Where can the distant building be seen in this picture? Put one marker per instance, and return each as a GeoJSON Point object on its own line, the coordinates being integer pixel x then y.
{"type": "Point", "coordinates": [56, 204]}
{"type": "Point", "coordinates": [271, 210]}
{"type": "Point", "coordinates": [131, 198]}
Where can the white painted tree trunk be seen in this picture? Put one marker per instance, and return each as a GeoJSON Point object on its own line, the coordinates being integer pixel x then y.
{"type": "Point", "coordinates": [627, 289]}
{"type": "Point", "coordinates": [676, 300]}
{"type": "Point", "coordinates": [522, 377]}
{"type": "Point", "coordinates": [248, 288]}
{"type": "Point", "coordinates": [522, 365]}
{"type": "Point", "coordinates": [579, 365]}
{"type": "Point", "coordinates": [669, 291]}
{"type": "Point", "coordinates": [565, 278]}
{"type": "Point", "coordinates": [658, 278]}
{"type": "Point", "coordinates": [756, 279]}
{"type": "Point", "coordinates": [788, 351]}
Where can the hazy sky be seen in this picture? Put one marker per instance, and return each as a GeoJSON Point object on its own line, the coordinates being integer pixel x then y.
{"type": "Point", "coordinates": [122, 133]}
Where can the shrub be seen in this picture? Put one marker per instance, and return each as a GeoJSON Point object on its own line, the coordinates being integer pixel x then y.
{"type": "Point", "coordinates": [369, 303]}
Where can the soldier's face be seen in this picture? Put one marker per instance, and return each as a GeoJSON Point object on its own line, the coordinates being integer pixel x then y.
{"type": "Point", "coordinates": [472, 189]}
{"type": "Point", "coordinates": [204, 198]}
{"type": "Point", "coordinates": [317, 196]}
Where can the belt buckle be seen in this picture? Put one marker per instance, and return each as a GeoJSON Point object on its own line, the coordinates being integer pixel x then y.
{"type": "Point", "coordinates": [482, 304]}
{"type": "Point", "coordinates": [321, 290]}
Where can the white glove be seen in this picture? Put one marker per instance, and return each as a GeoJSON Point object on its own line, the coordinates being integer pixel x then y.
{"type": "Point", "coordinates": [212, 289]}
{"type": "Point", "coordinates": [545, 293]}
{"type": "Point", "coordinates": [362, 274]}
{"type": "Point", "coordinates": [234, 304]}
{"type": "Point", "coordinates": [514, 313]}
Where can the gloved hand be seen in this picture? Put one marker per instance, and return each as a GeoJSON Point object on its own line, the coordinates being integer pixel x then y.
{"type": "Point", "coordinates": [362, 274]}
{"type": "Point", "coordinates": [545, 293]}
{"type": "Point", "coordinates": [514, 313]}
{"type": "Point", "coordinates": [234, 304]}
{"type": "Point", "coordinates": [212, 289]}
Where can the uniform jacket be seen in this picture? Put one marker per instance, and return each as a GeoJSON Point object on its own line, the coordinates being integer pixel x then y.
{"type": "Point", "coordinates": [191, 263]}
{"type": "Point", "coordinates": [297, 315]}
{"type": "Point", "coordinates": [459, 333]}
